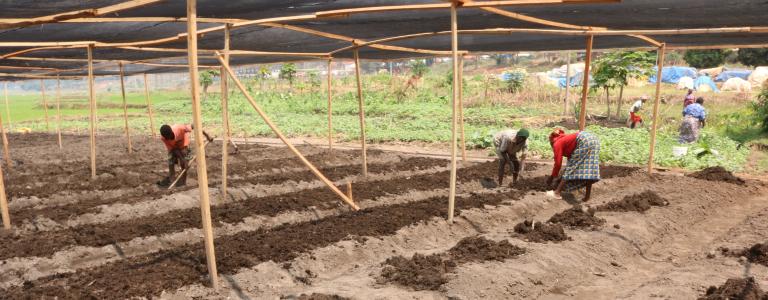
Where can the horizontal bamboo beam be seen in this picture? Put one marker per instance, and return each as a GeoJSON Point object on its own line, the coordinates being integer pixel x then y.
{"type": "Point", "coordinates": [647, 39]}
{"type": "Point", "coordinates": [30, 76]}
{"type": "Point", "coordinates": [136, 20]}
{"type": "Point", "coordinates": [93, 12]}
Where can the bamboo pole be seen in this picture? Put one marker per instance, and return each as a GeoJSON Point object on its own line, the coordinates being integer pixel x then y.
{"type": "Point", "coordinates": [7, 107]}
{"type": "Point", "coordinates": [585, 85]}
{"type": "Point", "coordinates": [92, 101]}
{"type": "Point", "coordinates": [567, 84]}
{"type": "Point", "coordinates": [149, 107]}
{"type": "Point", "coordinates": [660, 65]}
{"type": "Point", "coordinates": [454, 104]}
{"type": "Point", "coordinates": [4, 202]}
{"type": "Point", "coordinates": [225, 117]}
{"type": "Point", "coordinates": [330, 112]}
{"type": "Point", "coordinates": [461, 109]}
{"type": "Point", "coordinates": [361, 112]}
{"type": "Point", "coordinates": [6, 152]}
{"type": "Point", "coordinates": [58, 112]}
{"type": "Point", "coordinates": [202, 167]}
{"type": "Point", "coordinates": [45, 104]}
{"type": "Point", "coordinates": [280, 135]}
{"type": "Point", "coordinates": [125, 108]}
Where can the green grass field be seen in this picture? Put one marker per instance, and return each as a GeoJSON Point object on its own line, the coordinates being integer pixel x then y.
{"type": "Point", "coordinates": [422, 115]}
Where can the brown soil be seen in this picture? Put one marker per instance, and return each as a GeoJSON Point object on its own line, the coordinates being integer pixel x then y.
{"type": "Point", "coordinates": [636, 202]}
{"type": "Point", "coordinates": [540, 232]}
{"type": "Point", "coordinates": [149, 275]}
{"type": "Point", "coordinates": [576, 217]}
{"type": "Point", "coordinates": [429, 272]}
{"type": "Point", "coordinates": [316, 296]}
{"type": "Point", "coordinates": [717, 174]}
{"type": "Point", "coordinates": [527, 184]}
{"type": "Point", "coordinates": [758, 253]}
{"type": "Point", "coordinates": [736, 288]}
{"type": "Point", "coordinates": [607, 172]}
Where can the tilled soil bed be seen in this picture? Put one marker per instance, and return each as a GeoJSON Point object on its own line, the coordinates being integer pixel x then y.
{"type": "Point", "coordinates": [717, 174]}
{"type": "Point", "coordinates": [637, 202]}
{"type": "Point", "coordinates": [576, 217]}
{"type": "Point", "coordinates": [736, 289]}
{"type": "Point", "coordinates": [538, 232]}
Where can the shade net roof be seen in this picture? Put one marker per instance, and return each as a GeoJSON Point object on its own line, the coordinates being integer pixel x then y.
{"type": "Point", "coordinates": [624, 15]}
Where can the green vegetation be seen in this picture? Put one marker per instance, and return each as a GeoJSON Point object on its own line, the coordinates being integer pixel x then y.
{"type": "Point", "coordinates": [614, 69]}
{"type": "Point", "coordinates": [288, 72]}
{"type": "Point", "coordinates": [753, 56]}
{"type": "Point", "coordinates": [701, 59]}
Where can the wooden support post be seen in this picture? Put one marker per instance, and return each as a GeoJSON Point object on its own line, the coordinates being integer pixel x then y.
{"type": "Point", "coordinates": [202, 166]}
{"type": "Point", "coordinates": [4, 202]}
{"type": "Point", "coordinates": [149, 107]}
{"type": "Point", "coordinates": [7, 108]}
{"type": "Point", "coordinates": [567, 84]}
{"type": "Point", "coordinates": [225, 117]}
{"type": "Point", "coordinates": [92, 102]}
{"type": "Point", "coordinates": [585, 86]}
{"type": "Point", "coordinates": [454, 104]}
{"type": "Point", "coordinates": [330, 111]}
{"type": "Point", "coordinates": [6, 152]}
{"type": "Point", "coordinates": [58, 110]}
{"type": "Point", "coordinates": [280, 135]}
{"type": "Point", "coordinates": [125, 108]}
{"type": "Point", "coordinates": [45, 104]}
{"type": "Point", "coordinates": [660, 65]}
{"type": "Point", "coordinates": [361, 108]}
{"type": "Point", "coordinates": [461, 109]}
{"type": "Point", "coordinates": [349, 191]}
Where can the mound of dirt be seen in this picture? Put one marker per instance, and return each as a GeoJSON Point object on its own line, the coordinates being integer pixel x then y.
{"type": "Point", "coordinates": [717, 174]}
{"type": "Point", "coordinates": [758, 253]}
{"type": "Point", "coordinates": [637, 202]}
{"type": "Point", "coordinates": [422, 272]}
{"type": "Point", "coordinates": [527, 184]}
{"type": "Point", "coordinates": [578, 218]}
{"type": "Point", "coordinates": [616, 171]}
{"type": "Point", "coordinates": [419, 272]}
{"type": "Point", "coordinates": [736, 288]}
{"type": "Point", "coordinates": [316, 296]}
{"type": "Point", "coordinates": [540, 232]}
{"type": "Point", "coordinates": [482, 249]}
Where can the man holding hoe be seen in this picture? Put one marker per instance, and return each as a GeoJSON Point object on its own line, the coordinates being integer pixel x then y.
{"type": "Point", "coordinates": [176, 140]}
{"type": "Point", "coordinates": [508, 143]}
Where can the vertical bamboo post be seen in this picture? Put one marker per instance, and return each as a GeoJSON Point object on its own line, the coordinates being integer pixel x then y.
{"type": "Point", "coordinates": [4, 202]}
{"type": "Point", "coordinates": [149, 107]}
{"type": "Point", "coordinates": [6, 152]}
{"type": "Point", "coordinates": [45, 104]}
{"type": "Point", "coordinates": [225, 116]}
{"type": "Point", "coordinates": [125, 108]}
{"type": "Point", "coordinates": [202, 166]}
{"type": "Point", "coordinates": [454, 104]}
{"type": "Point", "coordinates": [330, 111]}
{"type": "Point", "coordinates": [361, 108]}
{"type": "Point", "coordinates": [92, 102]}
{"type": "Point", "coordinates": [7, 108]}
{"type": "Point", "coordinates": [585, 86]}
{"type": "Point", "coordinates": [461, 108]}
{"type": "Point", "coordinates": [282, 137]}
{"type": "Point", "coordinates": [58, 110]}
{"type": "Point", "coordinates": [660, 65]}
{"type": "Point", "coordinates": [567, 84]}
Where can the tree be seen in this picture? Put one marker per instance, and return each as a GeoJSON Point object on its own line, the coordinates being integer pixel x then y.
{"type": "Point", "coordinates": [753, 57]}
{"type": "Point", "coordinates": [702, 59]}
{"type": "Point", "coordinates": [288, 72]}
{"type": "Point", "coordinates": [614, 69]}
{"type": "Point", "coordinates": [418, 68]}
{"type": "Point", "coordinates": [206, 79]}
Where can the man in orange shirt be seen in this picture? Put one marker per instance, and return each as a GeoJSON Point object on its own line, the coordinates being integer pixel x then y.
{"type": "Point", "coordinates": [176, 140]}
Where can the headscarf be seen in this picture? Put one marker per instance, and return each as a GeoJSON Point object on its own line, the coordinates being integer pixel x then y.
{"type": "Point", "coordinates": [555, 135]}
{"type": "Point", "coordinates": [523, 133]}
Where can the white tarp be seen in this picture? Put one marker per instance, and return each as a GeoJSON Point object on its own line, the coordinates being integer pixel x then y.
{"type": "Point", "coordinates": [758, 77]}
{"type": "Point", "coordinates": [685, 83]}
{"type": "Point", "coordinates": [737, 84]}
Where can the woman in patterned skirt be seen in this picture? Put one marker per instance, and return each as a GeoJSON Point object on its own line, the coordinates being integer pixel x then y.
{"type": "Point", "coordinates": [583, 169]}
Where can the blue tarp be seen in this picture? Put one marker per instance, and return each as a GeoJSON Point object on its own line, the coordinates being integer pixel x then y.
{"type": "Point", "coordinates": [705, 80]}
{"type": "Point", "coordinates": [725, 75]}
{"type": "Point", "coordinates": [575, 80]}
{"type": "Point", "coordinates": [673, 74]}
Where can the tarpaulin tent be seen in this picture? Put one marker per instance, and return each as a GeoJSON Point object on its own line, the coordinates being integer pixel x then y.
{"type": "Point", "coordinates": [705, 83]}
{"type": "Point", "coordinates": [758, 77]}
{"type": "Point", "coordinates": [725, 75]}
{"type": "Point", "coordinates": [672, 74]}
{"type": "Point", "coordinates": [737, 84]}
{"type": "Point", "coordinates": [685, 83]}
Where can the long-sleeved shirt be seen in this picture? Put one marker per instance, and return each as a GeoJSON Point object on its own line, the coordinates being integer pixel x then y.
{"type": "Point", "coordinates": [563, 146]}
{"type": "Point", "coordinates": [695, 110]}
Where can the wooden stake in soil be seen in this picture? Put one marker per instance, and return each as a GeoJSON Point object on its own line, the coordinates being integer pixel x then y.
{"type": "Point", "coordinates": [45, 104]}
{"type": "Point", "coordinates": [660, 60]}
{"type": "Point", "coordinates": [149, 107]}
{"type": "Point", "coordinates": [58, 110]}
{"type": "Point", "coordinates": [92, 101]}
{"type": "Point", "coordinates": [585, 85]}
{"type": "Point", "coordinates": [225, 118]}
{"type": "Point", "coordinates": [349, 191]}
{"type": "Point", "coordinates": [6, 152]}
{"type": "Point", "coordinates": [361, 108]}
{"type": "Point", "coordinates": [461, 109]}
{"type": "Point", "coordinates": [454, 103]}
{"type": "Point", "coordinates": [202, 166]}
{"type": "Point", "coordinates": [280, 135]}
{"type": "Point", "coordinates": [125, 109]}
{"type": "Point", "coordinates": [7, 107]}
{"type": "Point", "coordinates": [330, 112]}
{"type": "Point", "coordinates": [567, 84]}
{"type": "Point", "coordinates": [4, 202]}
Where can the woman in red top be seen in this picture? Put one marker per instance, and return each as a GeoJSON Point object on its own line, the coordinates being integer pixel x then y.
{"type": "Point", "coordinates": [583, 169]}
